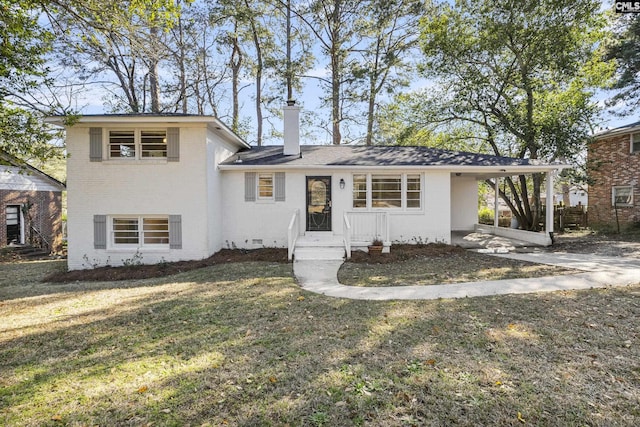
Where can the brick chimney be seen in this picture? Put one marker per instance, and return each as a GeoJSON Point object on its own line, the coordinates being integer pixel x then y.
{"type": "Point", "coordinates": [291, 129]}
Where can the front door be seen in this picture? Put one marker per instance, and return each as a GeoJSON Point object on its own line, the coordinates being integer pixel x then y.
{"type": "Point", "coordinates": [13, 224]}
{"type": "Point", "coordinates": [318, 203]}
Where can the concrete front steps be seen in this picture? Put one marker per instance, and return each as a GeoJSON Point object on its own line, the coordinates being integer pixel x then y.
{"type": "Point", "coordinates": [319, 246]}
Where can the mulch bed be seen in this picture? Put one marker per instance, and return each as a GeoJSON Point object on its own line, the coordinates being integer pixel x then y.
{"type": "Point", "coordinates": [165, 269]}
{"type": "Point", "coordinates": [407, 252]}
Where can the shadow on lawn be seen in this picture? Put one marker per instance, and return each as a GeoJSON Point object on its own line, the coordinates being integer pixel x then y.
{"type": "Point", "coordinates": [221, 345]}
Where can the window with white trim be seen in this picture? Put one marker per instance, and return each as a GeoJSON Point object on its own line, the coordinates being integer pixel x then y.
{"type": "Point", "coordinates": [153, 143]}
{"type": "Point", "coordinates": [140, 231]}
{"type": "Point", "coordinates": [414, 191]}
{"type": "Point", "coordinates": [622, 196]}
{"type": "Point", "coordinates": [387, 191]}
{"type": "Point", "coordinates": [635, 142]}
{"type": "Point", "coordinates": [265, 186]}
{"type": "Point", "coordinates": [122, 144]}
{"type": "Point", "coordinates": [137, 144]}
{"type": "Point", "coordinates": [360, 191]}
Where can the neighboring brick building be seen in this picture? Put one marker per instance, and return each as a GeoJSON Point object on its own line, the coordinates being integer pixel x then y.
{"type": "Point", "coordinates": [30, 205]}
{"type": "Point", "coordinates": [614, 170]}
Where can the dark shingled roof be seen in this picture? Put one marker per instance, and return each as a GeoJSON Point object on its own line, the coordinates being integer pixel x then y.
{"type": "Point", "coordinates": [345, 155]}
{"type": "Point", "coordinates": [621, 129]}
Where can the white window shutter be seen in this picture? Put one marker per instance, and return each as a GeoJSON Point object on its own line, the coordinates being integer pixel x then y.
{"type": "Point", "coordinates": [173, 144]}
{"type": "Point", "coordinates": [100, 232]}
{"type": "Point", "coordinates": [175, 231]}
{"type": "Point", "coordinates": [95, 144]}
{"type": "Point", "coordinates": [279, 190]}
{"type": "Point", "coordinates": [250, 187]}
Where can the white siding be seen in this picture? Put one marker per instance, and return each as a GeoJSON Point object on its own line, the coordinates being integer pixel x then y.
{"type": "Point", "coordinates": [124, 187]}
{"type": "Point", "coordinates": [217, 151]}
{"type": "Point", "coordinates": [17, 179]}
{"type": "Point", "coordinates": [464, 203]}
{"type": "Point", "coordinates": [247, 222]}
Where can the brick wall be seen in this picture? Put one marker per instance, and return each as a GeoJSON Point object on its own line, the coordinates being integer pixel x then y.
{"type": "Point", "coordinates": [46, 214]}
{"type": "Point", "coordinates": [611, 164]}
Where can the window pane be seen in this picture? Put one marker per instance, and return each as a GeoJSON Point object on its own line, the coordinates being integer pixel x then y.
{"type": "Point", "coordinates": [156, 231]}
{"type": "Point", "coordinates": [413, 191]}
{"type": "Point", "coordinates": [122, 144]}
{"type": "Point", "coordinates": [125, 231]}
{"type": "Point", "coordinates": [265, 186]}
{"type": "Point", "coordinates": [318, 193]}
{"type": "Point", "coordinates": [386, 191]}
{"type": "Point", "coordinates": [635, 145]}
{"type": "Point", "coordinates": [359, 191]}
{"type": "Point", "coordinates": [622, 195]}
{"type": "Point", "coordinates": [153, 143]}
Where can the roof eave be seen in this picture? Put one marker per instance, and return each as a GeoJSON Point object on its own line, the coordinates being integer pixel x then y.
{"type": "Point", "coordinates": [616, 132]}
{"type": "Point", "coordinates": [212, 122]}
{"type": "Point", "coordinates": [494, 170]}
{"type": "Point", "coordinates": [15, 162]}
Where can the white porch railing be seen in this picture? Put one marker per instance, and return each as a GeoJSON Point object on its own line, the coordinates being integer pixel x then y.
{"type": "Point", "coordinates": [293, 231]}
{"type": "Point", "coordinates": [369, 226]}
{"type": "Point", "coordinates": [346, 232]}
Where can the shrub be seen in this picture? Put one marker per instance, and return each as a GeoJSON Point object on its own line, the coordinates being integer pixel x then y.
{"type": "Point", "coordinates": [485, 216]}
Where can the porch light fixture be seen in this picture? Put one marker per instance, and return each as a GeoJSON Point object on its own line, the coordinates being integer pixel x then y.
{"type": "Point", "coordinates": [342, 183]}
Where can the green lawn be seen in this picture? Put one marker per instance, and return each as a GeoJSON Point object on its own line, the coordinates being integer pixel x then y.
{"type": "Point", "coordinates": [462, 266]}
{"type": "Point", "coordinates": [242, 344]}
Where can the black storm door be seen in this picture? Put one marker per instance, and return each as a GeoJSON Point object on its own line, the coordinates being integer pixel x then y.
{"type": "Point", "coordinates": [318, 203]}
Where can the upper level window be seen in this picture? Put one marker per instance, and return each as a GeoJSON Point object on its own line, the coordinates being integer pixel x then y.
{"type": "Point", "coordinates": [153, 143]}
{"type": "Point", "coordinates": [635, 142]}
{"type": "Point", "coordinates": [390, 191]}
{"type": "Point", "coordinates": [122, 144]}
{"type": "Point", "coordinates": [132, 144]}
{"type": "Point", "coordinates": [622, 196]}
{"type": "Point", "coordinates": [265, 186]}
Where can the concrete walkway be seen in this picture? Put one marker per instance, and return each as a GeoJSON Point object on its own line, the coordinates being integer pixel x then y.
{"type": "Point", "coordinates": [598, 271]}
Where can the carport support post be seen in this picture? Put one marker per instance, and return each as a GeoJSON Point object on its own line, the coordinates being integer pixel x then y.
{"type": "Point", "coordinates": [495, 203]}
{"type": "Point", "coordinates": [549, 219]}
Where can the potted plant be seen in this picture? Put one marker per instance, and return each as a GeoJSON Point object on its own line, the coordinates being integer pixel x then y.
{"type": "Point", "coordinates": [376, 246]}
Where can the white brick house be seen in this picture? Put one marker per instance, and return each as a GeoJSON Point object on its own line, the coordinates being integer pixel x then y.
{"type": "Point", "coordinates": [155, 188]}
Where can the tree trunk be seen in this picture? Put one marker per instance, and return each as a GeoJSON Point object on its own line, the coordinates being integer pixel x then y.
{"type": "Point", "coordinates": [235, 64]}
{"type": "Point", "coordinates": [181, 66]}
{"type": "Point", "coordinates": [335, 101]}
{"type": "Point", "coordinates": [371, 109]}
{"type": "Point", "coordinates": [289, 67]}
{"type": "Point", "coordinates": [154, 82]}
{"type": "Point", "coordinates": [259, 67]}
{"type": "Point", "coordinates": [336, 72]}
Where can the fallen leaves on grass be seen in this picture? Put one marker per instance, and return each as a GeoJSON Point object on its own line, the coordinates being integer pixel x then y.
{"type": "Point", "coordinates": [436, 264]}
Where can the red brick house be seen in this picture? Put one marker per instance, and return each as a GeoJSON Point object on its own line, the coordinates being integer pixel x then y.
{"type": "Point", "coordinates": [30, 205]}
{"type": "Point", "coordinates": [614, 171]}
